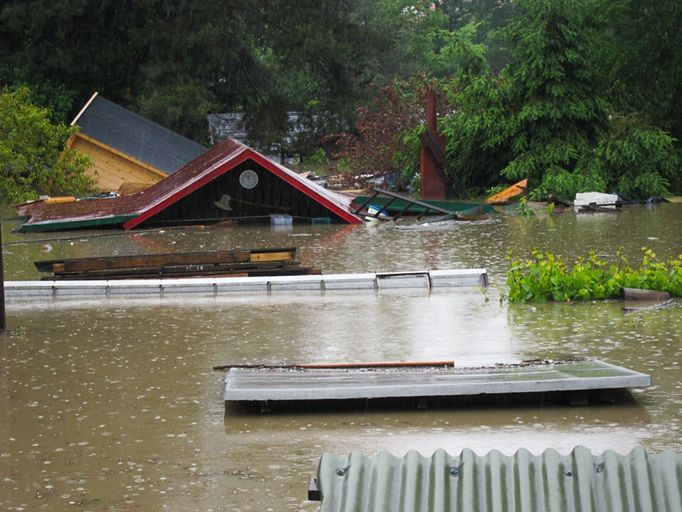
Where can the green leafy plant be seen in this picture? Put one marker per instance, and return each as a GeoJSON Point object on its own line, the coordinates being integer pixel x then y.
{"type": "Point", "coordinates": [636, 160]}
{"type": "Point", "coordinates": [545, 277]}
{"type": "Point", "coordinates": [523, 209]}
{"type": "Point", "coordinates": [317, 162]}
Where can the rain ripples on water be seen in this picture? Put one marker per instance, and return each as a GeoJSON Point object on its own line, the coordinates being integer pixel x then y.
{"type": "Point", "coordinates": [113, 404]}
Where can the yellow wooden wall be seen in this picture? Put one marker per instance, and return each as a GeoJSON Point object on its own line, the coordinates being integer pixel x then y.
{"type": "Point", "coordinates": [112, 168]}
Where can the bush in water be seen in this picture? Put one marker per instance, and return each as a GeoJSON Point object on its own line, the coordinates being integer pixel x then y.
{"type": "Point", "coordinates": [545, 277]}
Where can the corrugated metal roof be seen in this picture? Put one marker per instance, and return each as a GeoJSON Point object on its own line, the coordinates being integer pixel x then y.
{"type": "Point", "coordinates": [135, 135]}
{"type": "Point", "coordinates": [523, 482]}
{"type": "Point", "coordinates": [211, 164]}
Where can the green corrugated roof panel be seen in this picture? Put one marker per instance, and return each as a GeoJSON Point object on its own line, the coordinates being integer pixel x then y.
{"type": "Point", "coordinates": [56, 225]}
{"type": "Point", "coordinates": [523, 482]}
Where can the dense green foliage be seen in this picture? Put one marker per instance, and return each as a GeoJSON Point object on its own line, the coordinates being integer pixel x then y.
{"type": "Point", "coordinates": [574, 94]}
{"type": "Point", "coordinates": [556, 111]}
{"type": "Point", "coordinates": [31, 156]}
{"type": "Point", "coordinates": [548, 116]}
{"type": "Point", "coordinates": [640, 59]}
{"type": "Point", "coordinates": [545, 277]}
{"type": "Point", "coordinates": [177, 60]}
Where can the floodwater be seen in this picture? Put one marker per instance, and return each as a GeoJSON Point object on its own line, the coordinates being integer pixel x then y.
{"type": "Point", "coordinates": [113, 404]}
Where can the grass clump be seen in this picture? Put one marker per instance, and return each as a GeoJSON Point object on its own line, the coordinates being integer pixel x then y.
{"type": "Point", "coordinates": [545, 277]}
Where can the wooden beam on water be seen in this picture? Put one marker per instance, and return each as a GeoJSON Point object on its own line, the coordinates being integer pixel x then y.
{"type": "Point", "coordinates": [166, 260]}
{"type": "Point", "coordinates": [333, 366]}
{"type": "Point", "coordinates": [280, 255]}
{"type": "Point", "coordinates": [278, 267]}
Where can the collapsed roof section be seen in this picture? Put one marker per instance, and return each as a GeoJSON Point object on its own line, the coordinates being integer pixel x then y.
{"type": "Point", "coordinates": [134, 135]}
{"type": "Point", "coordinates": [127, 152]}
{"type": "Point", "coordinates": [229, 181]}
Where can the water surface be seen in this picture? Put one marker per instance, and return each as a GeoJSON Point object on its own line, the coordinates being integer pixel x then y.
{"type": "Point", "coordinates": [113, 404]}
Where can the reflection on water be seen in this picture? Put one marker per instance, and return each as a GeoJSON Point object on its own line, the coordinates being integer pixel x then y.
{"type": "Point", "coordinates": [113, 405]}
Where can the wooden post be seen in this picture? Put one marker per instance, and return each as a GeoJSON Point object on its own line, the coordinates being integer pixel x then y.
{"type": "Point", "coordinates": [3, 325]}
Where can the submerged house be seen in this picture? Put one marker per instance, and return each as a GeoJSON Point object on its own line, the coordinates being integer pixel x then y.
{"type": "Point", "coordinates": [128, 152]}
{"type": "Point", "coordinates": [230, 181]}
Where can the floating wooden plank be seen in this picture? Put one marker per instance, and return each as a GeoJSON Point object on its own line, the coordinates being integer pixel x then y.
{"type": "Point", "coordinates": [378, 364]}
{"type": "Point", "coordinates": [60, 199]}
{"type": "Point", "coordinates": [274, 268]}
{"type": "Point", "coordinates": [165, 260]}
{"type": "Point", "coordinates": [640, 294]}
{"type": "Point", "coordinates": [140, 261]}
{"type": "Point", "coordinates": [58, 289]}
{"type": "Point", "coordinates": [271, 385]}
{"type": "Point", "coordinates": [274, 255]}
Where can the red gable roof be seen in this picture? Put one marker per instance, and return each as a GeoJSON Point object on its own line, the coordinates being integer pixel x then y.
{"type": "Point", "coordinates": [222, 158]}
{"type": "Point", "coordinates": [215, 162]}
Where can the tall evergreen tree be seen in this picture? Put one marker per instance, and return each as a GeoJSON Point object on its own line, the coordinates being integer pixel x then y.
{"type": "Point", "coordinates": [558, 112]}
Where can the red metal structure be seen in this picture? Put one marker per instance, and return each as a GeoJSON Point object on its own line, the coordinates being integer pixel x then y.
{"type": "Point", "coordinates": [433, 186]}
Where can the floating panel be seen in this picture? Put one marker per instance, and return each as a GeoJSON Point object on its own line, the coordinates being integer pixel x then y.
{"type": "Point", "coordinates": [263, 385]}
{"type": "Point", "coordinates": [225, 285]}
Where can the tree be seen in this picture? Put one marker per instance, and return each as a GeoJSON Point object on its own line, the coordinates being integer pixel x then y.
{"type": "Point", "coordinates": [558, 111]}
{"type": "Point", "coordinates": [378, 144]}
{"type": "Point", "coordinates": [642, 59]}
{"type": "Point", "coordinates": [176, 60]}
{"type": "Point", "coordinates": [477, 127]}
{"type": "Point", "coordinates": [79, 45]}
{"type": "Point", "coordinates": [32, 160]}
{"type": "Point", "coordinates": [546, 116]}
{"type": "Point", "coordinates": [637, 160]}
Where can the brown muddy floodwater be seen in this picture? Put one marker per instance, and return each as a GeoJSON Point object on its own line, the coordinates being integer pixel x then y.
{"type": "Point", "coordinates": [112, 404]}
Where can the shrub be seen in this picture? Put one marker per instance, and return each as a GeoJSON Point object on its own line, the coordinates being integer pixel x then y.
{"type": "Point", "coordinates": [32, 160]}
{"type": "Point", "coordinates": [638, 161]}
{"type": "Point", "coordinates": [545, 277]}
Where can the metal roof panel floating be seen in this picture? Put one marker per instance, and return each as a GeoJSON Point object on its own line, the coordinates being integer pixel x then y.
{"type": "Point", "coordinates": [55, 289]}
{"type": "Point", "coordinates": [523, 482]}
{"type": "Point", "coordinates": [273, 385]}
